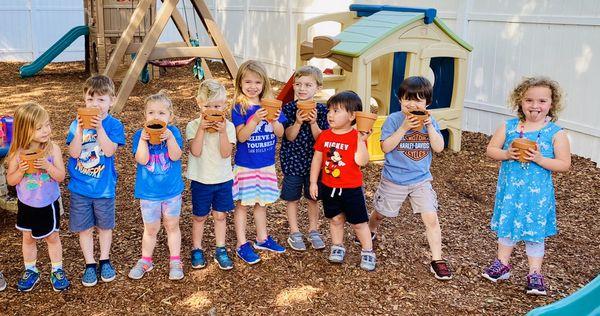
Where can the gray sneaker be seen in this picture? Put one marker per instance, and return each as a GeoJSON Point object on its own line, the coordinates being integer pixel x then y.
{"type": "Point", "coordinates": [175, 270]}
{"type": "Point", "coordinates": [296, 241]}
{"type": "Point", "coordinates": [367, 260]}
{"type": "Point", "coordinates": [140, 268]}
{"type": "Point", "coordinates": [2, 282]}
{"type": "Point", "coordinates": [337, 254]}
{"type": "Point", "coordinates": [316, 240]}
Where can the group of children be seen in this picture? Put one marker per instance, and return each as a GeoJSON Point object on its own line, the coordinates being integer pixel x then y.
{"type": "Point", "coordinates": [321, 155]}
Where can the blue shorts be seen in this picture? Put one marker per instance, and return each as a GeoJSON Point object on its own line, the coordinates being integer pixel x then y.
{"type": "Point", "coordinates": [88, 212]}
{"type": "Point", "coordinates": [153, 210]}
{"type": "Point", "coordinates": [205, 197]}
{"type": "Point", "coordinates": [292, 187]}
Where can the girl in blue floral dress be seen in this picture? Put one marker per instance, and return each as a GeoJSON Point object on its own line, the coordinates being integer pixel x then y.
{"type": "Point", "coordinates": [525, 207]}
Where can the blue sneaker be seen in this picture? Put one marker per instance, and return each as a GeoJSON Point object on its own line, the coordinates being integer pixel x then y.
{"type": "Point", "coordinates": [107, 272]}
{"type": "Point", "coordinates": [222, 259]}
{"type": "Point", "coordinates": [269, 244]}
{"type": "Point", "coordinates": [198, 260]}
{"type": "Point", "coordinates": [90, 276]}
{"type": "Point", "coordinates": [59, 280]}
{"type": "Point", "coordinates": [28, 280]}
{"type": "Point", "coordinates": [246, 253]}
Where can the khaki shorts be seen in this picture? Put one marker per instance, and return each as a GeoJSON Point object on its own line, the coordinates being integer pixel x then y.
{"type": "Point", "coordinates": [389, 197]}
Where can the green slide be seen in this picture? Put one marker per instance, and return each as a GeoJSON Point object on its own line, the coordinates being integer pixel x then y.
{"type": "Point", "coordinates": [33, 68]}
{"type": "Point", "coordinates": [586, 301]}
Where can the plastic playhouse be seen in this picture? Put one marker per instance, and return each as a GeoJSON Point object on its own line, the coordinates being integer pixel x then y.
{"type": "Point", "coordinates": [378, 47]}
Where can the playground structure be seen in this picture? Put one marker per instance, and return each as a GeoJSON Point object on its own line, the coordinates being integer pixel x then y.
{"type": "Point", "coordinates": [378, 47]}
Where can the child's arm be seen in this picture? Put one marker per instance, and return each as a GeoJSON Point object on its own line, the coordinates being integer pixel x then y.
{"type": "Point", "coordinates": [245, 130]}
{"type": "Point", "coordinates": [292, 131]}
{"type": "Point", "coordinates": [173, 147]}
{"type": "Point", "coordinates": [315, 169]}
{"type": "Point", "coordinates": [108, 146]}
{"type": "Point", "coordinates": [393, 140]}
{"type": "Point", "coordinates": [76, 142]}
{"type": "Point", "coordinates": [494, 149]}
{"type": "Point", "coordinates": [16, 171]}
{"type": "Point", "coordinates": [314, 126]}
{"type": "Point", "coordinates": [197, 142]}
{"type": "Point", "coordinates": [361, 157]}
{"type": "Point", "coordinates": [277, 126]}
{"type": "Point", "coordinates": [225, 146]}
{"type": "Point", "coordinates": [56, 170]}
{"type": "Point", "coordinates": [142, 154]}
{"type": "Point", "coordinates": [435, 139]}
{"type": "Point", "coordinates": [562, 154]}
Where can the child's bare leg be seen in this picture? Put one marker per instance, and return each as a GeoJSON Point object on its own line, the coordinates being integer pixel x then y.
{"type": "Point", "coordinates": [105, 240]}
{"type": "Point", "coordinates": [336, 227]}
{"type": "Point", "coordinates": [86, 242]}
{"type": "Point", "coordinates": [54, 247]}
{"type": "Point", "coordinates": [364, 235]}
{"type": "Point", "coordinates": [260, 220]}
{"type": "Point", "coordinates": [313, 214]}
{"type": "Point", "coordinates": [535, 256]}
{"type": "Point", "coordinates": [504, 252]}
{"type": "Point", "coordinates": [198, 230]}
{"type": "Point", "coordinates": [29, 247]}
{"type": "Point", "coordinates": [239, 219]}
{"type": "Point", "coordinates": [375, 220]}
{"type": "Point", "coordinates": [292, 216]}
{"type": "Point", "coordinates": [220, 219]}
{"type": "Point", "coordinates": [171, 225]}
{"type": "Point", "coordinates": [149, 238]}
{"type": "Point", "coordinates": [535, 264]}
{"type": "Point", "coordinates": [434, 234]}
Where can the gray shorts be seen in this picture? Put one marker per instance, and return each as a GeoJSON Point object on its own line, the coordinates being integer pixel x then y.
{"type": "Point", "coordinates": [389, 197]}
{"type": "Point", "coordinates": [88, 212]}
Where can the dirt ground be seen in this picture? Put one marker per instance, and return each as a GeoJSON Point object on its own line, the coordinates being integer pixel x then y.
{"type": "Point", "coordinates": [301, 283]}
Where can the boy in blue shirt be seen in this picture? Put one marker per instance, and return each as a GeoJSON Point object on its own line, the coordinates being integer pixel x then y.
{"type": "Point", "coordinates": [91, 166]}
{"type": "Point", "coordinates": [408, 145]}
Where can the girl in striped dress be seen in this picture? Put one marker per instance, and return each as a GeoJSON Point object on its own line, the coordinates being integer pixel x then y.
{"type": "Point", "coordinates": [255, 178]}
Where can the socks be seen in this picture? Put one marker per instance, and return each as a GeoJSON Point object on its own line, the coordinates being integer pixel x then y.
{"type": "Point", "coordinates": [31, 266]}
{"type": "Point", "coordinates": [56, 266]}
{"type": "Point", "coordinates": [174, 258]}
{"type": "Point", "coordinates": [147, 259]}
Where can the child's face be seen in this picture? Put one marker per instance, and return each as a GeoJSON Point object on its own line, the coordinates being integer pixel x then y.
{"type": "Point", "coordinates": [103, 102]}
{"type": "Point", "coordinates": [305, 88]}
{"type": "Point", "coordinates": [252, 85]}
{"type": "Point", "coordinates": [219, 105]}
{"type": "Point", "coordinates": [413, 105]}
{"type": "Point", "coordinates": [157, 110]}
{"type": "Point", "coordinates": [339, 118]}
{"type": "Point", "coordinates": [536, 103]}
{"type": "Point", "coordinates": [42, 132]}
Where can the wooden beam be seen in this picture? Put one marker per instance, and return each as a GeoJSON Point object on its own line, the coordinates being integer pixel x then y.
{"type": "Point", "coordinates": [135, 47]}
{"type": "Point", "coordinates": [117, 56]}
{"type": "Point", "coordinates": [162, 17]}
{"type": "Point", "coordinates": [177, 52]}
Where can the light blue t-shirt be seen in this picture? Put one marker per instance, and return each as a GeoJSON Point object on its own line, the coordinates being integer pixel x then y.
{"type": "Point", "coordinates": [259, 150]}
{"type": "Point", "coordinates": [409, 162]}
{"type": "Point", "coordinates": [160, 179]}
{"type": "Point", "coordinates": [93, 174]}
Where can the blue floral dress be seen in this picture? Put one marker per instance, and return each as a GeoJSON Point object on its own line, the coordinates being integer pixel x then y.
{"type": "Point", "coordinates": [525, 207]}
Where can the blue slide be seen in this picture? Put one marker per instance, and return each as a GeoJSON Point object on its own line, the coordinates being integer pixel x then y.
{"type": "Point", "coordinates": [37, 65]}
{"type": "Point", "coordinates": [586, 301]}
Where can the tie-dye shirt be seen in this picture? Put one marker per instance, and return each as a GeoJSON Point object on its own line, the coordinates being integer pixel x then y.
{"type": "Point", "coordinates": [38, 189]}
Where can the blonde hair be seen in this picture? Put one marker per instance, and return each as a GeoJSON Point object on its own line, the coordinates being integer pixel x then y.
{"type": "Point", "coordinates": [310, 71]}
{"type": "Point", "coordinates": [258, 69]}
{"type": "Point", "coordinates": [99, 85]}
{"type": "Point", "coordinates": [28, 117]}
{"type": "Point", "coordinates": [517, 95]}
{"type": "Point", "coordinates": [161, 96]}
{"type": "Point", "coordinates": [211, 90]}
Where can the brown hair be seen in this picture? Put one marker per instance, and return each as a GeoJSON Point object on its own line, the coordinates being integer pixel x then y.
{"type": "Point", "coordinates": [347, 100]}
{"type": "Point", "coordinates": [28, 117]}
{"type": "Point", "coordinates": [310, 71]}
{"type": "Point", "coordinates": [99, 85]}
{"type": "Point", "coordinates": [516, 96]}
{"type": "Point", "coordinates": [416, 88]}
{"type": "Point", "coordinates": [258, 69]}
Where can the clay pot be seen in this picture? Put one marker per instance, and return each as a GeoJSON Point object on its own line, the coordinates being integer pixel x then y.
{"type": "Point", "coordinates": [86, 115]}
{"type": "Point", "coordinates": [422, 116]}
{"type": "Point", "coordinates": [155, 128]}
{"type": "Point", "coordinates": [30, 156]}
{"type": "Point", "coordinates": [305, 107]}
{"type": "Point", "coordinates": [272, 106]}
{"type": "Point", "coordinates": [365, 121]}
{"type": "Point", "coordinates": [213, 116]}
{"type": "Point", "coordinates": [522, 144]}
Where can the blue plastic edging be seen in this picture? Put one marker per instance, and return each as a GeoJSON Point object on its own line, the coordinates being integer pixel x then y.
{"type": "Point", "coordinates": [369, 9]}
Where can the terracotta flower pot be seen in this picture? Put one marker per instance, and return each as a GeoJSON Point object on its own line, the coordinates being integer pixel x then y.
{"type": "Point", "coordinates": [272, 106]}
{"type": "Point", "coordinates": [305, 107]}
{"type": "Point", "coordinates": [522, 144]}
{"type": "Point", "coordinates": [155, 128]}
{"type": "Point", "coordinates": [365, 121]}
{"type": "Point", "coordinates": [86, 115]}
{"type": "Point", "coordinates": [422, 116]}
{"type": "Point", "coordinates": [30, 156]}
{"type": "Point", "coordinates": [213, 116]}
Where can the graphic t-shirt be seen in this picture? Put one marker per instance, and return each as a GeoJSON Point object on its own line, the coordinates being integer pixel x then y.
{"type": "Point", "coordinates": [93, 174]}
{"type": "Point", "coordinates": [38, 189]}
{"type": "Point", "coordinates": [409, 162]}
{"type": "Point", "coordinates": [338, 169]}
{"type": "Point", "coordinates": [160, 179]}
{"type": "Point", "coordinates": [259, 150]}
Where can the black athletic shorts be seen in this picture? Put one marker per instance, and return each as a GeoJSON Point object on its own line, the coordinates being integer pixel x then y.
{"type": "Point", "coordinates": [40, 221]}
{"type": "Point", "coordinates": [350, 201]}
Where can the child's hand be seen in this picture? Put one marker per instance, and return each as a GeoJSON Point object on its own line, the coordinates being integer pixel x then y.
{"type": "Point", "coordinates": [314, 191]}
{"type": "Point", "coordinates": [363, 136]}
{"type": "Point", "coordinates": [277, 116]}
{"type": "Point", "coordinates": [260, 115]}
{"type": "Point", "coordinates": [78, 126]}
{"type": "Point", "coordinates": [220, 127]}
{"type": "Point", "coordinates": [427, 121]}
{"type": "Point", "coordinates": [534, 155]}
{"type": "Point", "coordinates": [96, 122]}
{"type": "Point", "coordinates": [409, 123]}
{"type": "Point", "coordinates": [145, 135]}
{"type": "Point", "coordinates": [23, 166]}
{"type": "Point", "coordinates": [300, 118]}
{"type": "Point", "coordinates": [512, 153]}
{"type": "Point", "coordinates": [166, 135]}
{"type": "Point", "coordinates": [312, 117]}
{"type": "Point", "coordinates": [41, 163]}
{"type": "Point", "coordinates": [204, 124]}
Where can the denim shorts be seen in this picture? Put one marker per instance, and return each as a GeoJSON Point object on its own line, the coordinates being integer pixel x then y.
{"type": "Point", "coordinates": [88, 212]}
{"type": "Point", "coordinates": [293, 186]}
{"type": "Point", "coordinates": [205, 197]}
{"type": "Point", "coordinates": [153, 210]}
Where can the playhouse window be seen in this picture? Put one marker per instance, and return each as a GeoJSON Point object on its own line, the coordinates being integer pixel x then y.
{"type": "Point", "coordinates": [443, 72]}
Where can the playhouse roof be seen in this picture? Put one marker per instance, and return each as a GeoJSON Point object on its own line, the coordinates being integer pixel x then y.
{"type": "Point", "coordinates": [370, 30]}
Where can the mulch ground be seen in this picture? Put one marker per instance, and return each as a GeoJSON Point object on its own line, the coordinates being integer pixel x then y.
{"type": "Point", "coordinates": [301, 283]}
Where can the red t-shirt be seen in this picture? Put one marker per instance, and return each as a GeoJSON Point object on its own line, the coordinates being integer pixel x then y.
{"type": "Point", "coordinates": [338, 169]}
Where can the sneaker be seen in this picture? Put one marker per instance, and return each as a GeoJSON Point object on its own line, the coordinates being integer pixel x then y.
{"type": "Point", "coordinates": [296, 241]}
{"type": "Point", "coordinates": [107, 272]}
{"type": "Point", "coordinates": [198, 260]}
{"type": "Point", "coordinates": [440, 270]}
{"type": "Point", "coordinates": [175, 270]}
{"type": "Point", "coordinates": [2, 282]}
{"type": "Point", "coordinates": [59, 280]}
{"type": "Point", "coordinates": [373, 238]}
{"type": "Point", "coordinates": [497, 271]}
{"type": "Point", "coordinates": [246, 253]}
{"type": "Point", "coordinates": [222, 259]}
{"type": "Point", "coordinates": [140, 268]}
{"type": "Point", "coordinates": [535, 284]}
{"type": "Point", "coordinates": [90, 276]}
{"type": "Point", "coordinates": [269, 244]}
{"type": "Point", "coordinates": [337, 254]}
{"type": "Point", "coordinates": [367, 260]}
{"type": "Point", "coordinates": [316, 240]}
{"type": "Point", "coordinates": [28, 280]}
